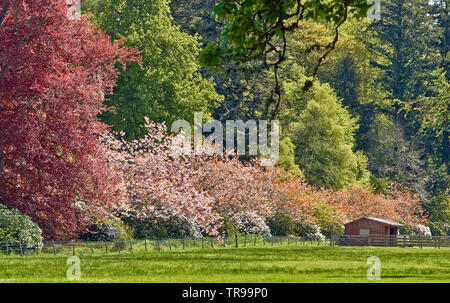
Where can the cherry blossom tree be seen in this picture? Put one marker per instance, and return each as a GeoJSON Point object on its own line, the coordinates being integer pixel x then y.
{"type": "Point", "coordinates": [157, 180]}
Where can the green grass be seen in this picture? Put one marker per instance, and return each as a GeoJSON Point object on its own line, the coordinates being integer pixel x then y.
{"type": "Point", "coordinates": [294, 263]}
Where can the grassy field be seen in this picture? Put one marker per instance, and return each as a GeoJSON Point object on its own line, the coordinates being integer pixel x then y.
{"type": "Point", "coordinates": [301, 263]}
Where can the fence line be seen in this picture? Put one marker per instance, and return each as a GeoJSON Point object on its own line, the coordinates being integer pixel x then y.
{"type": "Point", "coordinates": [167, 244]}
{"type": "Point", "coordinates": [391, 241]}
{"type": "Point", "coordinates": [243, 241]}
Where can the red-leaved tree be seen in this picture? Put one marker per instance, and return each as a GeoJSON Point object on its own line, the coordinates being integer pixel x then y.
{"type": "Point", "coordinates": [53, 72]}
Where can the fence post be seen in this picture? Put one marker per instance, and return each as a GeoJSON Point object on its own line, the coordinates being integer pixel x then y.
{"type": "Point", "coordinates": [203, 242]}
{"type": "Point", "coordinates": [106, 246]}
{"type": "Point", "coordinates": [210, 240]}
{"type": "Point", "coordinates": [368, 240]}
{"type": "Point", "coordinates": [245, 239]}
{"type": "Point", "coordinates": [237, 241]}
{"type": "Point", "coordinates": [73, 248]}
{"type": "Point", "coordinates": [7, 247]}
{"type": "Point", "coordinates": [145, 244]}
{"type": "Point", "coordinates": [170, 245]}
{"type": "Point", "coordinates": [182, 237]}
{"type": "Point", "coordinates": [131, 244]}
{"type": "Point", "coordinates": [272, 240]}
{"type": "Point", "coordinates": [21, 250]}
{"type": "Point", "coordinates": [404, 241]}
{"type": "Point", "coordinates": [159, 244]}
{"type": "Point", "coordinates": [53, 245]}
{"type": "Point", "coordinates": [90, 245]}
{"type": "Point", "coordinates": [255, 240]}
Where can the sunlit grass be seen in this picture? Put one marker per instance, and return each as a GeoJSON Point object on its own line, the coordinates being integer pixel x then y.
{"type": "Point", "coordinates": [294, 263]}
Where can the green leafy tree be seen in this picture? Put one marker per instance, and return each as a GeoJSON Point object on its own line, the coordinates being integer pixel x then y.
{"type": "Point", "coordinates": [323, 136]}
{"type": "Point", "coordinates": [255, 35]}
{"type": "Point", "coordinates": [347, 69]}
{"type": "Point", "coordinates": [287, 155]}
{"type": "Point", "coordinates": [169, 85]}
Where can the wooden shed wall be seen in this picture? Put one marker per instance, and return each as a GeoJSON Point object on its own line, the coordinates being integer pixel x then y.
{"type": "Point", "coordinates": [375, 228]}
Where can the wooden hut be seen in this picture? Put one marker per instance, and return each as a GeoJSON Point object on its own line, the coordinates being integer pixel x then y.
{"type": "Point", "coordinates": [371, 231]}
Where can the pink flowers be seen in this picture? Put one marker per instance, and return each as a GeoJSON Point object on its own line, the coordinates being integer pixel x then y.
{"type": "Point", "coordinates": [160, 178]}
{"type": "Point", "coordinates": [156, 180]}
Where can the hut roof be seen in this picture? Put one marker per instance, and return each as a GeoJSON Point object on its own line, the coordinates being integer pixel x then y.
{"type": "Point", "coordinates": [384, 221]}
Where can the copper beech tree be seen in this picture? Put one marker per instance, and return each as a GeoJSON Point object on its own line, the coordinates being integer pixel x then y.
{"type": "Point", "coordinates": [53, 73]}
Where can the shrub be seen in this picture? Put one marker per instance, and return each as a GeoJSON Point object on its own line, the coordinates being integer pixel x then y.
{"type": "Point", "coordinates": [250, 222]}
{"type": "Point", "coordinates": [310, 231]}
{"type": "Point", "coordinates": [406, 230]}
{"type": "Point", "coordinates": [227, 226]}
{"type": "Point", "coordinates": [155, 227]}
{"type": "Point", "coordinates": [124, 233]}
{"type": "Point", "coordinates": [440, 228]}
{"type": "Point", "coordinates": [327, 219]}
{"type": "Point", "coordinates": [281, 225]}
{"type": "Point", "coordinates": [99, 232]}
{"type": "Point", "coordinates": [16, 227]}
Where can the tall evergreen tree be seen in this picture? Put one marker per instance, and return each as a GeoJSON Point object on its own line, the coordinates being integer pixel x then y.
{"type": "Point", "coordinates": [406, 38]}
{"type": "Point", "coordinates": [440, 12]}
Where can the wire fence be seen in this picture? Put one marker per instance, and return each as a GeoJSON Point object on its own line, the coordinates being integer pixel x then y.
{"type": "Point", "coordinates": [147, 245]}
{"type": "Point", "coordinates": [237, 242]}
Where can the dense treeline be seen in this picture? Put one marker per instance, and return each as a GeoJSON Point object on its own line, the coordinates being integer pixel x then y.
{"type": "Point", "coordinates": [385, 84]}
{"type": "Point", "coordinates": [363, 107]}
{"type": "Point", "coordinates": [365, 120]}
